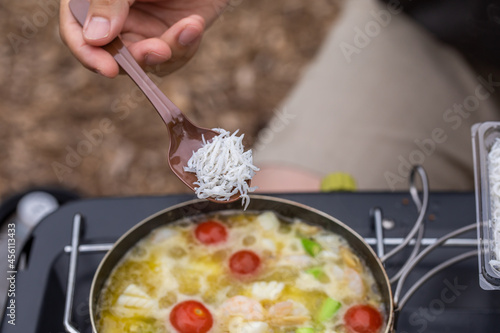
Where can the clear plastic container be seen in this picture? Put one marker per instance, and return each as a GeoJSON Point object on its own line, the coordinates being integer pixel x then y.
{"type": "Point", "coordinates": [484, 136]}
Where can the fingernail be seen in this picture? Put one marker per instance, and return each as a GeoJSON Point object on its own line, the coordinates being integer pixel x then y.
{"type": "Point", "coordinates": [189, 35]}
{"type": "Point", "coordinates": [97, 28]}
{"type": "Point", "coordinates": [153, 58]}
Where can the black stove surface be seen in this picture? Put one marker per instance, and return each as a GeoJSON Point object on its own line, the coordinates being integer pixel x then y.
{"type": "Point", "coordinates": [451, 301]}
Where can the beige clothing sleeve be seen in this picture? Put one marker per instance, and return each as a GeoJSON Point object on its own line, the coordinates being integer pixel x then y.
{"type": "Point", "coordinates": [381, 95]}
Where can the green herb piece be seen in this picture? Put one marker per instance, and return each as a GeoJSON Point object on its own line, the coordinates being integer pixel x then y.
{"type": "Point", "coordinates": [328, 309]}
{"type": "Point", "coordinates": [311, 246]}
{"type": "Point", "coordinates": [315, 271]}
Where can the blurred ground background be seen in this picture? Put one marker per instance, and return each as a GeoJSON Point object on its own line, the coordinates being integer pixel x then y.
{"type": "Point", "coordinates": [63, 126]}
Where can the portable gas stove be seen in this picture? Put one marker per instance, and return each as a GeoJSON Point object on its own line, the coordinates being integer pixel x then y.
{"type": "Point", "coordinates": [450, 301]}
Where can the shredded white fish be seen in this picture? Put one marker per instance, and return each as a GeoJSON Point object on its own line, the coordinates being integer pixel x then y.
{"type": "Point", "coordinates": [494, 176]}
{"type": "Point", "coordinates": [223, 168]}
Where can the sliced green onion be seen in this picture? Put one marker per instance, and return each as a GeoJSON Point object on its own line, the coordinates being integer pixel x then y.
{"type": "Point", "coordinates": [328, 309]}
{"type": "Point", "coordinates": [311, 246]}
{"type": "Point", "coordinates": [315, 271]}
{"type": "Point", "coordinates": [318, 274]}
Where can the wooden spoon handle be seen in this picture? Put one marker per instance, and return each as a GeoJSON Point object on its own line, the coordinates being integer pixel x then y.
{"type": "Point", "coordinates": [166, 108]}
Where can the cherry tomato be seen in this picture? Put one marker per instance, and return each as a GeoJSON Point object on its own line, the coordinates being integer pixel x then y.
{"type": "Point", "coordinates": [363, 319]}
{"type": "Point", "coordinates": [210, 232]}
{"type": "Point", "coordinates": [191, 317]}
{"type": "Point", "coordinates": [244, 262]}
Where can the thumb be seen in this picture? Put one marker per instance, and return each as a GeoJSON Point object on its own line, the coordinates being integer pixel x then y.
{"type": "Point", "coordinates": [105, 20]}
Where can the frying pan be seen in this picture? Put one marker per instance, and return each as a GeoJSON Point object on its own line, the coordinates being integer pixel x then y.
{"type": "Point", "coordinates": [284, 208]}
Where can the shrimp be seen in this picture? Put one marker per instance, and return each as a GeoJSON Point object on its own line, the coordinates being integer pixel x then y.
{"type": "Point", "coordinates": [288, 313]}
{"type": "Point", "coordinates": [244, 307]}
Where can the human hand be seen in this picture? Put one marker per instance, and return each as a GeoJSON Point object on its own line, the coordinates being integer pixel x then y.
{"type": "Point", "coordinates": [163, 34]}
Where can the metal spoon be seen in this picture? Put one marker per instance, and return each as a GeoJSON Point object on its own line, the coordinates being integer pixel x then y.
{"type": "Point", "coordinates": [185, 137]}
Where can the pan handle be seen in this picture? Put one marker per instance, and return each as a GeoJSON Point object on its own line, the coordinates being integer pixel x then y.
{"type": "Point", "coordinates": [73, 263]}
{"type": "Point", "coordinates": [404, 299]}
{"type": "Point", "coordinates": [418, 228]}
{"type": "Point", "coordinates": [399, 300]}
{"type": "Point", "coordinates": [422, 210]}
